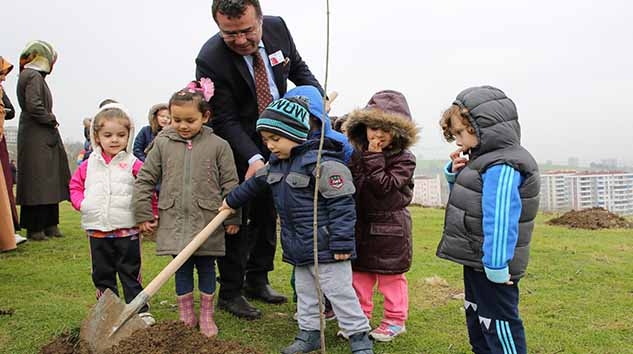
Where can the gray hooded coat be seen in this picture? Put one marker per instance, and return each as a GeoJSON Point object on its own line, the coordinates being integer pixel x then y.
{"type": "Point", "coordinates": [495, 119]}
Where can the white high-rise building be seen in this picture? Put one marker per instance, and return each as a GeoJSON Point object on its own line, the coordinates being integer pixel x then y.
{"type": "Point", "coordinates": [427, 191]}
{"type": "Point", "coordinates": [555, 191]}
{"type": "Point", "coordinates": [565, 190]}
{"type": "Point", "coordinates": [609, 190]}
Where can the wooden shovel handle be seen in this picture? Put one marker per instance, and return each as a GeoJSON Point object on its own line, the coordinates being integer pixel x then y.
{"type": "Point", "coordinates": [162, 277]}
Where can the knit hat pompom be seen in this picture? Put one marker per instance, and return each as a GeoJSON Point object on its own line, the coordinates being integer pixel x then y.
{"type": "Point", "coordinates": [287, 117]}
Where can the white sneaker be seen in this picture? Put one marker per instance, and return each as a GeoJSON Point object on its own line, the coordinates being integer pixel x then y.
{"type": "Point", "coordinates": [147, 318]}
{"type": "Point", "coordinates": [19, 239]}
{"type": "Point", "coordinates": [342, 334]}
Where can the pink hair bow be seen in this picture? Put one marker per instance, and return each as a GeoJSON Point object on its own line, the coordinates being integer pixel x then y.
{"type": "Point", "coordinates": [205, 86]}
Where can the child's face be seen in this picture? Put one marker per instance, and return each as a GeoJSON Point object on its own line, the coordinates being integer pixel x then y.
{"type": "Point", "coordinates": [379, 137]}
{"type": "Point", "coordinates": [187, 119]}
{"type": "Point", "coordinates": [163, 118]}
{"type": "Point", "coordinates": [278, 145]}
{"type": "Point", "coordinates": [463, 138]}
{"type": "Point", "coordinates": [113, 136]}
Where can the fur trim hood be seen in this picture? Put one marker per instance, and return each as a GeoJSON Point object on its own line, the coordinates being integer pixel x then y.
{"type": "Point", "coordinates": [387, 110]}
{"type": "Point", "coordinates": [154, 109]}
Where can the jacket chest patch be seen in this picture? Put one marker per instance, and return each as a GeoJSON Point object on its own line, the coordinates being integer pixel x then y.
{"type": "Point", "coordinates": [336, 181]}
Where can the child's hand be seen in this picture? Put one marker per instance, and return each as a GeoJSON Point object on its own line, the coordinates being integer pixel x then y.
{"type": "Point", "coordinates": [375, 145]}
{"type": "Point", "coordinates": [226, 207]}
{"type": "Point", "coordinates": [232, 229]}
{"type": "Point", "coordinates": [342, 256]}
{"type": "Point", "coordinates": [148, 226]}
{"type": "Point", "coordinates": [458, 161]}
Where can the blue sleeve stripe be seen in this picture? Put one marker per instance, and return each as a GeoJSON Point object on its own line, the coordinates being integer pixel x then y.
{"type": "Point", "coordinates": [506, 214]}
{"type": "Point", "coordinates": [502, 211]}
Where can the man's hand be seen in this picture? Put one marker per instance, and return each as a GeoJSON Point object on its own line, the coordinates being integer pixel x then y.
{"type": "Point", "coordinates": [252, 168]}
{"type": "Point", "coordinates": [329, 100]}
{"type": "Point", "coordinates": [342, 256]}
{"type": "Point", "coordinates": [458, 161]}
{"type": "Point", "coordinates": [232, 229]}
{"type": "Point", "coordinates": [148, 226]}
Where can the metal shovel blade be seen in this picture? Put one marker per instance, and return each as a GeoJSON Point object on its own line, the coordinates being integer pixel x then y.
{"type": "Point", "coordinates": [105, 315]}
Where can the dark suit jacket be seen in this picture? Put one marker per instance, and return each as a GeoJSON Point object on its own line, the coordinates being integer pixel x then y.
{"type": "Point", "coordinates": [234, 103]}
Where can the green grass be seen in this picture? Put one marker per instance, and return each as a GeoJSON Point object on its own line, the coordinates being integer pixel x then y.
{"type": "Point", "coordinates": [576, 298]}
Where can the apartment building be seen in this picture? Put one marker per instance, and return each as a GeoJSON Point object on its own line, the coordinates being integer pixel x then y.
{"type": "Point", "coordinates": [427, 191]}
{"type": "Point", "coordinates": [565, 190]}
{"type": "Point", "coordinates": [555, 190]}
{"type": "Point", "coordinates": [609, 190]}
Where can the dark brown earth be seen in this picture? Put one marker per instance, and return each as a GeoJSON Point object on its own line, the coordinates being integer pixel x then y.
{"type": "Point", "coordinates": [592, 219]}
{"type": "Point", "coordinates": [169, 337]}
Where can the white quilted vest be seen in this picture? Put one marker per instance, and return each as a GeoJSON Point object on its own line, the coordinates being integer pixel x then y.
{"type": "Point", "coordinates": [107, 204]}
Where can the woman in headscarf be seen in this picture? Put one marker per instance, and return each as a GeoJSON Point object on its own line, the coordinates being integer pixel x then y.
{"type": "Point", "coordinates": [43, 172]}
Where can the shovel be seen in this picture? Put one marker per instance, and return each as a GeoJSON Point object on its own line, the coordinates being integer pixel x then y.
{"type": "Point", "coordinates": [111, 320]}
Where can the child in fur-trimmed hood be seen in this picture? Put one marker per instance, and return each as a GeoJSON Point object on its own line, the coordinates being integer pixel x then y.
{"type": "Point", "coordinates": [382, 168]}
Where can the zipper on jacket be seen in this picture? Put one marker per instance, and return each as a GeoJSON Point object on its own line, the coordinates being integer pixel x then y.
{"type": "Point", "coordinates": [187, 198]}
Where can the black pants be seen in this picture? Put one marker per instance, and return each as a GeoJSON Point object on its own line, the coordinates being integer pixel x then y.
{"type": "Point", "coordinates": [112, 256]}
{"type": "Point", "coordinates": [250, 253]}
{"type": "Point", "coordinates": [492, 315]}
{"type": "Point", "coordinates": [35, 218]}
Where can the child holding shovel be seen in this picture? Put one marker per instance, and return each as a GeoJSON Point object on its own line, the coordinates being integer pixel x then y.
{"type": "Point", "coordinates": [197, 171]}
{"type": "Point", "coordinates": [101, 189]}
{"type": "Point", "coordinates": [291, 177]}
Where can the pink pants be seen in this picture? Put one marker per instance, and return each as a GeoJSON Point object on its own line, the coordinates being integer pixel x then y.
{"type": "Point", "coordinates": [394, 289]}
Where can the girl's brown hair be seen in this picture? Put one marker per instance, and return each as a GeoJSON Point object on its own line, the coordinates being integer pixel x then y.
{"type": "Point", "coordinates": [186, 95]}
{"type": "Point", "coordinates": [110, 114]}
{"type": "Point", "coordinates": [458, 113]}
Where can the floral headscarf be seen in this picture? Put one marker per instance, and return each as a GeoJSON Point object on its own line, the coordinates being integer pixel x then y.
{"type": "Point", "coordinates": [5, 66]}
{"type": "Point", "coordinates": [38, 55]}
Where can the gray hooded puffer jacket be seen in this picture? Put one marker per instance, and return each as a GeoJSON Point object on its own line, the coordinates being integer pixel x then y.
{"type": "Point", "coordinates": [495, 119]}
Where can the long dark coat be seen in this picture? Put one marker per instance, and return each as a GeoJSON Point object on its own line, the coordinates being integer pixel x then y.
{"type": "Point", "coordinates": [384, 185]}
{"type": "Point", "coordinates": [43, 172]}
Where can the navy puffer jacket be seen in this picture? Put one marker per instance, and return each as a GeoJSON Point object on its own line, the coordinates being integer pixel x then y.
{"type": "Point", "coordinates": [292, 183]}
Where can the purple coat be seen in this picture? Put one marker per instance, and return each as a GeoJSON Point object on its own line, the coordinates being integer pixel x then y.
{"type": "Point", "coordinates": [384, 185]}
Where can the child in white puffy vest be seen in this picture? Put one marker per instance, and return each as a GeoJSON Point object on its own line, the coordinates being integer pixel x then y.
{"type": "Point", "coordinates": [101, 189]}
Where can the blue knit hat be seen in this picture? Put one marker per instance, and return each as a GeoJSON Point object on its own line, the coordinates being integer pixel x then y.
{"type": "Point", "coordinates": [287, 117]}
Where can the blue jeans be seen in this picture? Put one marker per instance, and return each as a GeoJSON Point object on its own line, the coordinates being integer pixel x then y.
{"type": "Point", "coordinates": [206, 275]}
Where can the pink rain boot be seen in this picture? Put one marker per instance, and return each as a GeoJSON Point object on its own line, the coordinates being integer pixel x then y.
{"type": "Point", "coordinates": [207, 324]}
{"type": "Point", "coordinates": [186, 311]}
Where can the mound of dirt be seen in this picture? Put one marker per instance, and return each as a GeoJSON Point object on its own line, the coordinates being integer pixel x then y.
{"type": "Point", "coordinates": [169, 337]}
{"type": "Point", "coordinates": [592, 219]}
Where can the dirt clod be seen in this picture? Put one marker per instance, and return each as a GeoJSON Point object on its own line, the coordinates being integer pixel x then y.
{"type": "Point", "coordinates": [6, 312]}
{"type": "Point", "coordinates": [171, 337]}
{"type": "Point", "coordinates": [592, 219]}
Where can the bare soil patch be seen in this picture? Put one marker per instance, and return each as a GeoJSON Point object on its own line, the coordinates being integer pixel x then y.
{"type": "Point", "coordinates": [592, 219]}
{"type": "Point", "coordinates": [168, 337]}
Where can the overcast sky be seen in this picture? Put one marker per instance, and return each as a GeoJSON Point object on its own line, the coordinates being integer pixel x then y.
{"type": "Point", "coordinates": [566, 64]}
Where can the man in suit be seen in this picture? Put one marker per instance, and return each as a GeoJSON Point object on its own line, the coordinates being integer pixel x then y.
{"type": "Point", "coordinates": [231, 59]}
